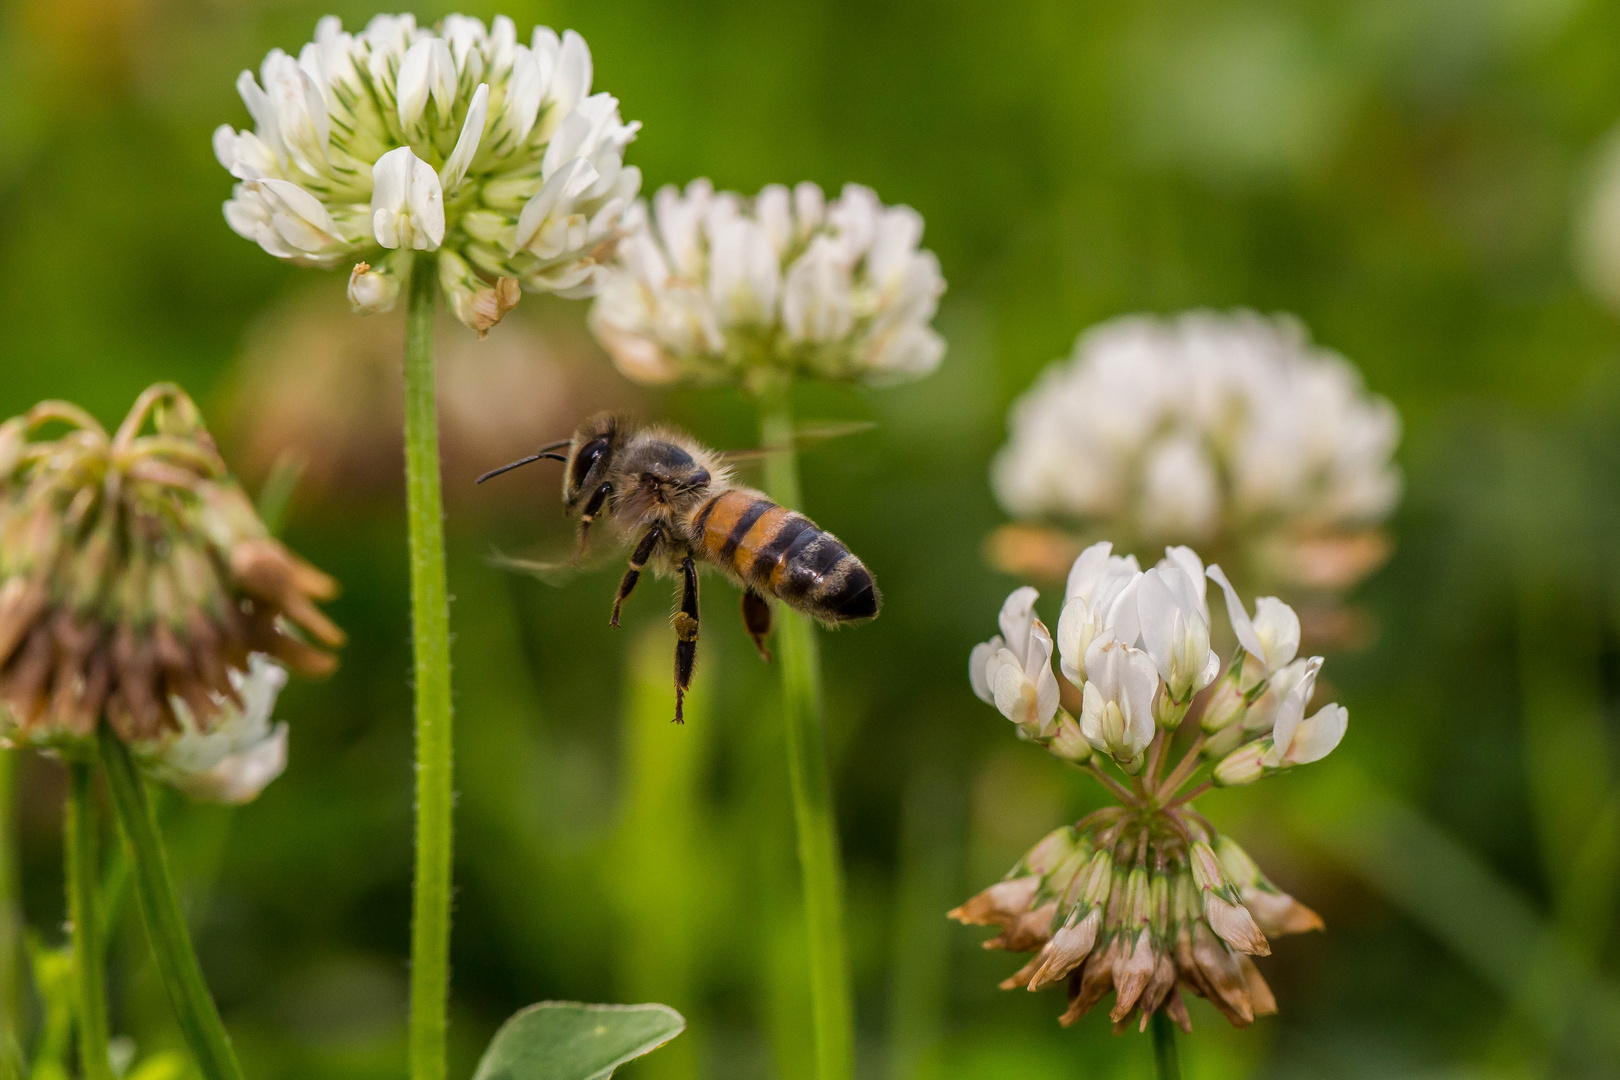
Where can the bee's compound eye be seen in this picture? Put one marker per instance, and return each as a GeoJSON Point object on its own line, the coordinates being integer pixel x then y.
{"type": "Point", "coordinates": [588, 456]}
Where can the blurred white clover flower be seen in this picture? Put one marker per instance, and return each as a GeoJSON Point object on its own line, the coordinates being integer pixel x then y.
{"type": "Point", "coordinates": [1230, 431]}
{"type": "Point", "coordinates": [713, 286]}
{"type": "Point", "coordinates": [240, 752]}
{"type": "Point", "coordinates": [1145, 898]}
{"type": "Point", "coordinates": [459, 140]}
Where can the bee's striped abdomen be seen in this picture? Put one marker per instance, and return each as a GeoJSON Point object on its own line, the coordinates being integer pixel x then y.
{"type": "Point", "coordinates": [782, 552]}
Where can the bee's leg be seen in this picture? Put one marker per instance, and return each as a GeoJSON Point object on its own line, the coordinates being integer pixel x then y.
{"type": "Point", "coordinates": [756, 615]}
{"type": "Point", "coordinates": [686, 634]}
{"type": "Point", "coordinates": [638, 559]}
{"type": "Point", "coordinates": [598, 499]}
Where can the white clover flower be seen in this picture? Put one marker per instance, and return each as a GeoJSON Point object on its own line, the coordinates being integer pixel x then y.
{"type": "Point", "coordinates": [1100, 595]}
{"type": "Point", "coordinates": [1137, 646]}
{"type": "Point", "coordinates": [1296, 740]}
{"type": "Point", "coordinates": [1013, 671]}
{"type": "Point", "coordinates": [370, 147]}
{"type": "Point", "coordinates": [1175, 631]}
{"type": "Point", "coordinates": [1272, 636]}
{"type": "Point", "coordinates": [715, 287]}
{"type": "Point", "coordinates": [242, 751]}
{"type": "Point", "coordinates": [1116, 713]}
{"type": "Point", "coordinates": [1224, 429]}
{"type": "Point", "coordinates": [1144, 897]}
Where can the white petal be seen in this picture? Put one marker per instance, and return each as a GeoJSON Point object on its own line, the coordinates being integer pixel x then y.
{"type": "Point", "coordinates": [523, 94]}
{"type": "Point", "coordinates": [571, 82]}
{"type": "Point", "coordinates": [1016, 616]}
{"type": "Point", "coordinates": [263, 112]}
{"type": "Point", "coordinates": [1140, 684]}
{"type": "Point", "coordinates": [1092, 705]}
{"type": "Point", "coordinates": [472, 133]}
{"type": "Point", "coordinates": [1317, 737]}
{"type": "Point", "coordinates": [1074, 625]}
{"type": "Point", "coordinates": [1160, 618]}
{"type": "Point", "coordinates": [1121, 616]}
{"type": "Point", "coordinates": [1241, 626]}
{"type": "Point", "coordinates": [1292, 706]}
{"type": "Point", "coordinates": [413, 83]}
{"type": "Point", "coordinates": [1088, 568]}
{"type": "Point", "coordinates": [1187, 559]}
{"type": "Point", "coordinates": [1277, 628]}
{"type": "Point", "coordinates": [809, 208]}
{"type": "Point", "coordinates": [407, 204]}
{"type": "Point", "coordinates": [560, 189]}
{"type": "Point", "coordinates": [978, 668]}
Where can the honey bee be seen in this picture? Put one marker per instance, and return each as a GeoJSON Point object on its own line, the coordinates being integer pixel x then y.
{"type": "Point", "coordinates": [678, 501]}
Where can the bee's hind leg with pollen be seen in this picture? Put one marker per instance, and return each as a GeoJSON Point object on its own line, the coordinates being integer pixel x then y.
{"type": "Point", "coordinates": [638, 561]}
{"type": "Point", "coordinates": [686, 634]}
{"type": "Point", "coordinates": [756, 615]}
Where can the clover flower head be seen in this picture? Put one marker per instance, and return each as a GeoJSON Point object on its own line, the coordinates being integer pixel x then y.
{"type": "Point", "coordinates": [1145, 899]}
{"type": "Point", "coordinates": [139, 587]}
{"type": "Point", "coordinates": [712, 286]}
{"type": "Point", "coordinates": [1227, 431]}
{"type": "Point", "coordinates": [458, 139]}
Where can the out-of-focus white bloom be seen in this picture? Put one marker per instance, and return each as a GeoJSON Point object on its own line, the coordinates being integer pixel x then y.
{"type": "Point", "coordinates": [243, 751]}
{"type": "Point", "coordinates": [1117, 708]}
{"type": "Point", "coordinates": [1204, 428]}
{"type": "Point", "coordinates": [1100, 595]}
{"type": "Point", "coordinates": [1272, 636]}
{"type": "Point", "coordinates": [457, 139]}
{"type": "Point", "coordinates": [1013, 671]}
{"type": "Point", "coordinates": [713, 286]}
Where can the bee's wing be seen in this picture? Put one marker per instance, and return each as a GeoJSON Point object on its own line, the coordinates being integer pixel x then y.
{"type": "Point", "coordinates": [805, 435]}
{"type": "Point", "coordinates": [554, 572]}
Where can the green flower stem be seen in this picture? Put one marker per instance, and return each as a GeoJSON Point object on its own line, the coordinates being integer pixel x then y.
{"type": "Point", "coordinates": [1166, 1066]}
{"type": "Point", "coordinates": [430, 622]}
{"type": "Point", "coordinates": [819, 861]}
{"type": "Point", "coordinates": [10, 920]}
{"type": "Point", "coordinates": [194, 1010]}
{"type": "Point", "coordinates": [84, 915]}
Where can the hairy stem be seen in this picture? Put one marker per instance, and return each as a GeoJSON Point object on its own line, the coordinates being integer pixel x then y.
{"type": "Point", "coordinates": [430, 625]}
{"type": "Point", "coordinates": [1166, 1065]}
{"type": "Point", "coordinates": [194, 1010]}
{"type": "Point", "coordinates": [811, 786]}
{"type": "Point", "coordinates": [84, 917]}
{"type": "Point", "coordinates": [10, 919]}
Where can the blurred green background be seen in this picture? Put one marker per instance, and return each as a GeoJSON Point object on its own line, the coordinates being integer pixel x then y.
{"type": "Point", "coordinates": [1404, 174]}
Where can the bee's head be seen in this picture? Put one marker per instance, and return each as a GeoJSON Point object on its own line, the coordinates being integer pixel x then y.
{"type": "Point", "coordinates": [591, 454]}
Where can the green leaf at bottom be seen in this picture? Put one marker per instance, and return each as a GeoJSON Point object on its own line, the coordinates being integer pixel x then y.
{"type": "Point", "coordinates": [565, 1040]}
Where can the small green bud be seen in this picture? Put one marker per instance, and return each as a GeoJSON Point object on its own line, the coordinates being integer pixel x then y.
{"type": "Point", "coordinates": [1226, 706]}
{"type": "Point", "coordinates": [1243, 765]}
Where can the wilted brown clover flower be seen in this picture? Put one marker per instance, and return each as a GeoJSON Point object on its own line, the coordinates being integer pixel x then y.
{"type": "Point", "coordinates": [137, 584]}
{"type": "Point", "coordinates": [1145, 898]}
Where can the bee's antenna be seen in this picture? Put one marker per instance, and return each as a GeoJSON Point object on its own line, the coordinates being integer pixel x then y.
{"type": "Point", "coordinates": [543, 455]}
